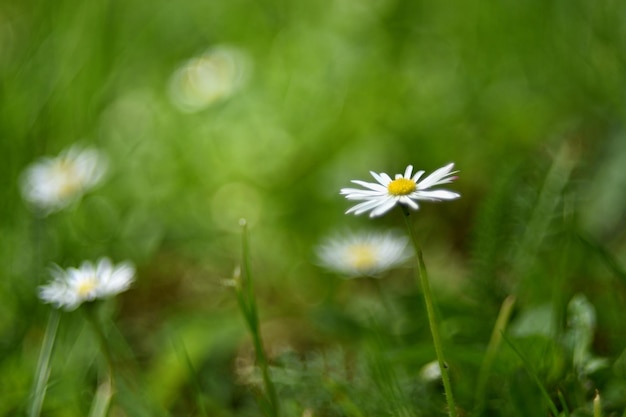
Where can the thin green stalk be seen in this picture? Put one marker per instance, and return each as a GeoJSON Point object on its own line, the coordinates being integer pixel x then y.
{"type": "Point", "coordinates": [385, 377]}
{"type": "Point", "coordinates": [422, 274]}
{"type": "Point", "coordinates": [533, 375]}
{"type": "Point", "coordinates": [247, 303]}
{"type": "Point", "coordinates": [597, 405]}
{"type": "Point", "coordinates": [384, 300]}
{"type": "Point", "coordinates": [43, 365]}
{"type": "Point", "coordinates": [247, 285]}
{"type": "Point", "coordinates": [90, 313]}
{"type": "Point", "coordinates": [563, 404]}
{"type": "Point", "coordinates": [537, 226]}
{"type": "Point", "coordinates": [492, 350]}
{"type": "Point", "coordinates": [181, 350]}
{"type": "Point", "coordinates": [102, 399]}
{"type": "Point", "coordinates": [106, 390]}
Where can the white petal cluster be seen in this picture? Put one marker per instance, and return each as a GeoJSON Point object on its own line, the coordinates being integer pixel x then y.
{"type": "Point", "coordinates": [407, 189]}
{"type": "Point", "coordinates": [51, 184]}
{"type": "Point", "coordinates": [363, 254]}
{"type": "Point", "coordinates": [73, 286]}
{"type": "Point", "coordinates": [209, 78]}
{"type": "Point", "coordinates": [431, 371]}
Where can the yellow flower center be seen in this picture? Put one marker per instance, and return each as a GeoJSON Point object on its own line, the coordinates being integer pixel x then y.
{"type": "Point", "coordinates": [86, 286]}
{"type": "Point", "coordinates": [362, 257]}
{"type": "Point", "coordinates": [69, 182]}
{"type": "Point", "coordinates": [401, 186]}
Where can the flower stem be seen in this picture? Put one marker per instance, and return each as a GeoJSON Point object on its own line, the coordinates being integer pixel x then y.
{"type": "Point", "coordinates": [430, 310]}
{"type": "Point", "coordinates": [92, 317]}
{"type": "Point", "coordinates": [247, 303]}
{"type": "Point", "coordinates": [43, 365]}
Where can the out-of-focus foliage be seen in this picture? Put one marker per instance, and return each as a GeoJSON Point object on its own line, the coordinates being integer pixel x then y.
{"type": "Point", "coordinates": [209, 111]}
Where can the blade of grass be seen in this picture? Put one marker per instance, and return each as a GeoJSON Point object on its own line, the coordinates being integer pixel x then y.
{"type": "Point", "coordinates": [43, 365]}
{"type": "Point", "coordinates": [385, 378]}
{"type": "Point", "coordinates": [532, 374]}
{"type": "Point", "coordinates": [603, 253]}
{"type": "Point", "coordinates": [537, 226]}
{"type": "Point", "coordinates": [104, 395]}
{"type": "Point", "coordinates": [563, 404]}
{"type": "Point", "coordinates": [246, 277]}
{"type": "Point", "coordinates": [597, 405]}
{"type": "Point", "coordinates": [492, 349]}
{"type": "Point", "coordinates": [179, 346]}
{"type": "Point", "coordinates": [102, 399]}
{"type": "Point", "coordinates": [247, 303]}
{"type": "Point", "coordinates": [89, 309]}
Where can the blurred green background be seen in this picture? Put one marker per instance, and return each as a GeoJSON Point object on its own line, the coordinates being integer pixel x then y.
{"type": "Point", "coordinates": [527, 98]}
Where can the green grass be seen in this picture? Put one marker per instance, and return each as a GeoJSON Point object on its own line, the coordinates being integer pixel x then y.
{"type": "Point", "coordinates": [527, 99]}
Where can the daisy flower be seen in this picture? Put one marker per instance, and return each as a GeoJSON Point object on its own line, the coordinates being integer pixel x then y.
{"type": "Point", "coordinates": [363, 254]}
{"type": "Point", "coordinates": [405, 189]}
{"type": "Point", "coordinates": [73, 286]}
{"type": "Point", "coordinates": [209, 78]}
{"type": "Point", "coordinates": [51, 184]}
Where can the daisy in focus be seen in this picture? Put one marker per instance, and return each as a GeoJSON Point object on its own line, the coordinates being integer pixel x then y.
{"type": "Point", "coordinates": [407, 189]}
{"type": "Point", "coordinates": [363, 254]}
{"type": "Point", "coordinates": [51, 184]}
{"type": "Point", "coordinates": [73, 286]}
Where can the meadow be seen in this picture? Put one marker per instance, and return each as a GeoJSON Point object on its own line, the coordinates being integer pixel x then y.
{"type": "Point", "coordinates": [202, 147]}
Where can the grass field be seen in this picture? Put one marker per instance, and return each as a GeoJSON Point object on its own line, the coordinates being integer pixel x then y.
{"type": "Point", "coordinates": [201, 113]}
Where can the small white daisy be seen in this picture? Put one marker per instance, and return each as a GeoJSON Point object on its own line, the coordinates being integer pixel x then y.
{"type": "Point", "coordinates": [209, 78]}
{"type": "Point", "coordinates": [363, 254]}
{"type": "Point", "coordinates": [73, 286]}
{"type": "Point", "coordinates": [404, 189]}
{"type": "Point", "coordinates": [51, 184]}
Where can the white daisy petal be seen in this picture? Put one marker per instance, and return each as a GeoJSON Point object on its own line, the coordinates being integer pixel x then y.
{"type": "Point", "coordinates": [52, 184]}
{"type": "Point", "coordinates": [363, 254]}
{"type": "Point", "coordinates": [104, 267]}
{"type": "Point", "coordinates": [404, 189]}
{"type": "Point", "coordinates": [371, 185]}
{"type": "Point", "coordinates": [349, 191]}
{"type": "Point", "coordinates": [437, 177]}
{"type": "Point", "coordinates": [436, 195]}
{"type": "Point", "coordinates": [386, 178]}
{"type": "Point", "coordinates": [418, 175]}
{"type": "Point", "coordinates": [364, 195]}
{"type": "Point", "coordinates": [384, 207]}
{"type": "Point", "coordinates": [74, 286]}
{"type": "Point", "coordinates": [409, 202]}
{"type": "Point", "coordinates": [367, 206]}
{"type": "Point", "coordinates": [381, 180]}
{"type": "Point", "coordinates": [120, 279]}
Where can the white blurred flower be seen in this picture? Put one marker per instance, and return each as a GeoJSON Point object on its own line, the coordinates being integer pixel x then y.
{"type": "Point", "coordinates": [363, 254]}
{"type": "Point", "coordinates": [73, 286]}
{"type": "Point", "coordinates": [51, 184]}
{"type": "Point", "coordinates": [209, 78]}
{"type": "Point", "coordinates": [405, 189]}
{"type": "Point", "coordinates": [431, 371]}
